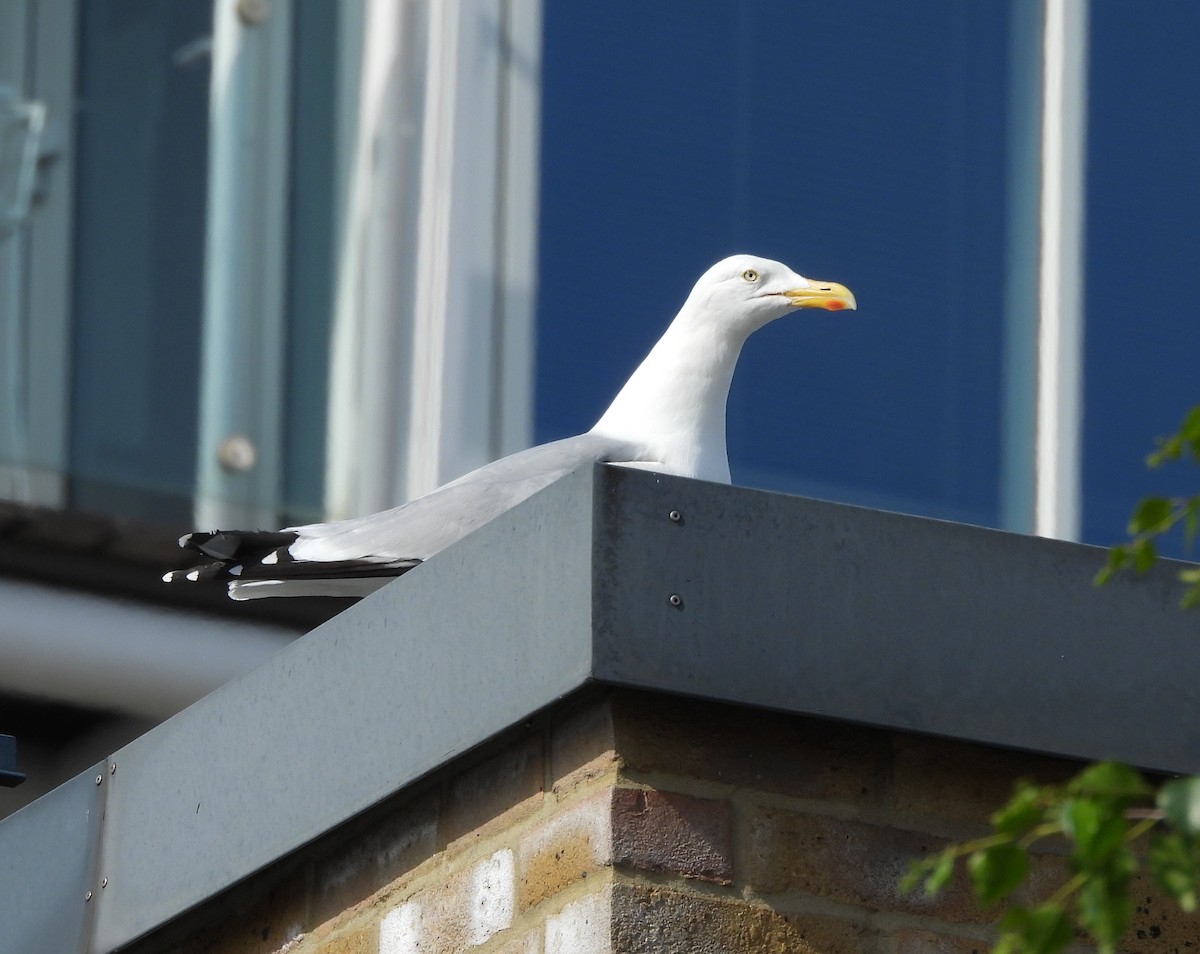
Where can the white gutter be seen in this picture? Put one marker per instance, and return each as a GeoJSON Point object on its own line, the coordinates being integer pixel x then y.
{"type": "Point", "coordinates": [120, 656]}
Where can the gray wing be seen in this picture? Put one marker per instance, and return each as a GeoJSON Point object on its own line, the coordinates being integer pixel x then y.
{"type": "Point", "coordinates": [419, 529]}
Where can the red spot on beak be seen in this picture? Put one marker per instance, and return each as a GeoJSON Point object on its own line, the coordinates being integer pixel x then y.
{"type": "Point", "coordinates": [834, 306]}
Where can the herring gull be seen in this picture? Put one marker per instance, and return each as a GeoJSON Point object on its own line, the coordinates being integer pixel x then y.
{"type": "Point", "coordinates": [669, 417]}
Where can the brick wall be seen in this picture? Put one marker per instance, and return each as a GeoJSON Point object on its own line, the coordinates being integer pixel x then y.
{"type": "Point", "coordinates": [629, 822]}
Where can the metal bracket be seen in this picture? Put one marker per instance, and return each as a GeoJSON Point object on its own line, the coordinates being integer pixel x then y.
{"type": "Point", "coordinates": [21, 125]}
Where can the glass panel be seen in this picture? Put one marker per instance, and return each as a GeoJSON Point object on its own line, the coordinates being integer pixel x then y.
{"type": "Point", "coordinates": [860, 142]}
{"type": "Point", "coordinates": [1142, 280]}
{"type": "Point", "coordinates": [142, 165]}
{"type": "Point", "coordinates": [312, 237]}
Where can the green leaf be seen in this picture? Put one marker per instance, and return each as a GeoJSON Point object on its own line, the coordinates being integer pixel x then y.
{"type": "Point", "coordinates": [935, 872]}
{"type": "Point", "coordinates": [1174, 861]}
{"type": "Point", "coordinates": [1109, 780]}
{"type": "Point", "coordinates": [1041, 930]}
{"type": "Point", "coordinates": [1149, 515]}
{"type": "Point", "coordinates": [1189, 430]}
{"type": "Point", "coordinates": [941, 873]}
{"type": "Point", "coordinates": [1105, 906]}
{"type": "Point", "coordinates": [1144, 555]}
{"type": "Point", "coordinates": [997, 870]}
{"type": "Point", "coordinates": [1097, 826]}
{"type": "Point", "coordinates": [1180, 803]}
{"type": "Point", "coordinates": [1022, 811]}
{"type": "Point", "coordinates": [1118, 559]}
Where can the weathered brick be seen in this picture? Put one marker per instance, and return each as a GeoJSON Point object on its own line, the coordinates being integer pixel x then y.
{"type": "Point", "coordinates": [374, 857]}
{"type": "Point", "coordinates": [673, 833]}
{"type": "Point", "coordinates": [956, 781]}
{"type": "Point", "coordinates": [571, 845]}
{"type": "Point", "coordinates": [1158, 926]}
{"type": "Point", "coordinates": [914, 941]}
{"type": "Point", "coordinates": [493, 795]}
{"type": "Point", "coordinates": [582, 927]}
{"type": "Point", "coordinates": [361, 940]}
{"type": "Point", "coordinates": [266, 924]}
{"type": "Point", "coordinates": [468, 910]}
{"type": "Point", "coordinates": [583, 747]}
{"type": "Point", "coordinates": [806, 758]}
{"type": "Point", "coordinates": [649, 920]}
{"type": "Point", "coordinates": [528, 943]}
{"type": "Point", "coordinates": [848, 861]}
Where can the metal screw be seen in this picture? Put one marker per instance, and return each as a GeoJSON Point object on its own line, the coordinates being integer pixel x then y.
{"type": "Point", "coordinates": [112, 768]}
{"type": "Point", "coordinates": [675, 599]}
{"type": "Point", "coordinates": [104, 882]}
{"type": "Point", "coordinates": [675, 516]}
{"type": "Point", "coordinates": [88, 896]}
{"type": "Point", "coordinates": [99, 779]}
{"type": "Point", "coordinates": [237, 453]}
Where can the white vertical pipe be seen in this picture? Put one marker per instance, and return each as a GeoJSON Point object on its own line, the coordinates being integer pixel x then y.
{"type": "Point", "coordinates": [1060, 296]}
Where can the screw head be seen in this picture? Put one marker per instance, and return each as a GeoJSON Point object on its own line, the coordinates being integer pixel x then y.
{"type": "Point", "coordinates": [104, 882]}
{"type": "Point", "coordinates": [675, 516]}
{"type": "Point", "coordinates": [253, 12]}
{"type": "Point", "coordinates": [675, 599]}
{"type": "Point", "coordinates": [237, 454]}
{"type": "Point", "coordinates": [87, 896]}
{"type": "Point", "coordinates": [112, 768]}
{"type": "Point", "coordinates": [99, 779]}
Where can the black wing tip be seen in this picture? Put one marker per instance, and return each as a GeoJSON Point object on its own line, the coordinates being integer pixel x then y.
{"type": "Point", "coordinates": [256, 555]}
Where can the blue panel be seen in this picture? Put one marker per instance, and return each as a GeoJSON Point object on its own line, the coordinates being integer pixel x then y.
{"type": "Point", "coordinates": [1143, 248]}
{"type": "Point", "coordinates": [861, 142]}
{"type": "Point", "coordinates": [142, 172]}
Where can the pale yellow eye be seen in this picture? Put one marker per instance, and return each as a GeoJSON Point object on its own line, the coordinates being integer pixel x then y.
{"type": "Point", "coordinates": [750, 275]}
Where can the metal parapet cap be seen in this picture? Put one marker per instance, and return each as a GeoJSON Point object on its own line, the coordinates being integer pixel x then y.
{"type": "Point", "coordinates": [626, 578]}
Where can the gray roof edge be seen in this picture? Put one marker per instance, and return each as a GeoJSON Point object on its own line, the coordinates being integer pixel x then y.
{"type": "Point", "coordinates": [891, 620]}
{"type": "Point", "coordinates": [782, 602]}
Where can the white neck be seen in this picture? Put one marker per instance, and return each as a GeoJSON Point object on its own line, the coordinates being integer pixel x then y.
{"type": "Point", "coordinates": [673, 407]}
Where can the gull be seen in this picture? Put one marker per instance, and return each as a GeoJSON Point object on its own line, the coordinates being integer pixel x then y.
{"type": "Point", "coordinates": [669, 418]}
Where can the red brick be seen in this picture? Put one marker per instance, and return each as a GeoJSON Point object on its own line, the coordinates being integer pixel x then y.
{"type": "Point", "coordinates": [649, 920]}
{"type": "Point", "coordinates": [673, 833]}
{"type": "Point", "coordinates": [790, 755]}
{"type": "Point", "coordinates": [848, 861]}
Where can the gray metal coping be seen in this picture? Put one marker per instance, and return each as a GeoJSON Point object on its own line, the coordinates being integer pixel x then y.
{"type": "Point", "coordinates": [622, 577]}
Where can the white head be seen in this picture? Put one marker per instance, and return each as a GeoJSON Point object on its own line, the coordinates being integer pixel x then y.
{"type": "Point", "coordinates": [747, 292]}
{"type": "Point", "coordinates": [673, 407]}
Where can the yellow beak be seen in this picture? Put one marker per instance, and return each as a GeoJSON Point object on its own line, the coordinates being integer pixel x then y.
{"type": "Point", "coordinates": [828, 295]}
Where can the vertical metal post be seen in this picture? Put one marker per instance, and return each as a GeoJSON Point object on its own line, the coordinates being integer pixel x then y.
{"type": "Point", "coordinates": [1060, 299]}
